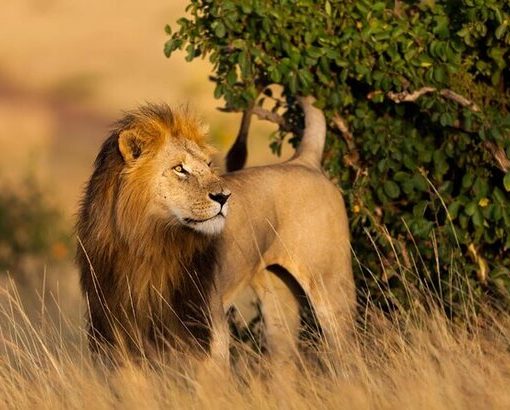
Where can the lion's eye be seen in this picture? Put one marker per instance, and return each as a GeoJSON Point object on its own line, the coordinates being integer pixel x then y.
{"type": "Point", "coordinates": [180, 170]}
{"type": "Point", "coordinates": [209, 163]}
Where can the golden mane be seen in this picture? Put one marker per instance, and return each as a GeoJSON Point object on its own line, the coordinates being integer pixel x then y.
{"type": "Point", "coordinates": [131, 264]}
{"type": "Point", "coordinates": [159, 120]}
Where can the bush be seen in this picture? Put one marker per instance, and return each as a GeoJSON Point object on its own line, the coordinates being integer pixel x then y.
{"type": "Point", "coordinates": [417, 97]}
{"type": "Point", "coordinates": [30, 226]}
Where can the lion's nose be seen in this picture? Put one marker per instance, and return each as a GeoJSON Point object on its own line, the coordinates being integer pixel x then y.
{"type": "Point", "coordinates": [221, 197]}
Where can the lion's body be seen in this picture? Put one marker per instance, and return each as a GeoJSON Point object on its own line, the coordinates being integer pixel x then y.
{"type": "Point", "coordinates": [153, 280]}
{"type": "Point", "coordinates": [288, 215]}
{"type": "Point", "coordinates": [292, 217]}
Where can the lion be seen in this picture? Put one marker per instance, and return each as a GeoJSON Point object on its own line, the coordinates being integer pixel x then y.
{"type": "Point", "coordinates": [166, 244]}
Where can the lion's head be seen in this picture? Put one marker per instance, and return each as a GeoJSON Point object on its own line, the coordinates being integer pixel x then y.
{"type": "Point", "coordinates": [167, 175]}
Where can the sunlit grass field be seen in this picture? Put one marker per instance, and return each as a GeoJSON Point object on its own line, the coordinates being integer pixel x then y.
{"type": "Point", "coordinates": [414, 359]}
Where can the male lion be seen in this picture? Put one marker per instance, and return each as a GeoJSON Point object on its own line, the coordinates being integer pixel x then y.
{"type": "Point", "coordinates": [165, 244]}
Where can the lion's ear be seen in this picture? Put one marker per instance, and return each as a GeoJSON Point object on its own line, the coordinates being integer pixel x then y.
{"type": "Point", "coordinates": [130, 145]}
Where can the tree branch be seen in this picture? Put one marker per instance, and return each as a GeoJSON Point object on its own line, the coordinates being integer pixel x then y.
{"type": "Point", "coordinates": [406, 96]}
{"type": "Point", "coordinates": [270, 116]}
{"type": "Point", "coordinates": [452, 95]}
{"type": "Point", "coordinates": [352, 158]}
{"type": "Point", "coordinates": [341, 124]}
{"type": "Point", "coordinates": [264, 114]}
{"type": "Point", "coordinates": [502, 161]}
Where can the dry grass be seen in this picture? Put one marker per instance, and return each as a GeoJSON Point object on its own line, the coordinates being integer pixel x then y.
{"type": "Point", "coordinates": [415, 360]}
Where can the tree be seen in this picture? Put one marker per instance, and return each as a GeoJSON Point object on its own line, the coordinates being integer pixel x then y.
{"type": "Point", "coordinates": [417, 95]}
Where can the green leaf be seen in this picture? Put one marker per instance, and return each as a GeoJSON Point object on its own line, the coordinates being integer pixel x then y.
{"type": "Point", "coordinates": [419, 209]}
{"type": "Point", "coordinates": [500, 31]}
{"type": "Point", "coordinates": [231, 77]}
{"type": "Point", "coordinates": [477, 218]}
{"type": "Point", "coordinates": [328, 8]}
{"type": "Point", "coordinates": [453, 209]}
{"type": "Point", "coordinates": [218, 91]}
{"type": "Point", "coordinates": [401, 176]}
{"type": "Point", "coordinates": [238, 43]}
{"type": "Point", "coordinates": [420, 183]}
{"type": "Point", "coordinates": [172, 45]}
{"type": "Point", "coordinates": [439, 74]}
{"type": "Point", "coordinates": [191, 52]}
{"type": "Point", "coordinates": [471, 208]}
{"type": "Point", "coordinates": [219, 28]}
{"type": "Point", "coordinates": [377, 7]}
{"type": "Point", "coordinates": [244, 64]}
{"type": "Point", "coordinates": [275, 75]}
{"type": "Point", "coordinates": [467, 180]}
{"type": "Point", "coordinates": [292, 83]}
{"type": "Point", "coordinates": [506, 182]}
{"type": "Point", "coordinates": [500, 196]}
{"type": "Point", "coordinates": [391, 189]}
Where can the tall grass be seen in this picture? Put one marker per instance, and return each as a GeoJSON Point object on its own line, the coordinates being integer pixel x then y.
{"type": "Point", "coordinates": [410, 359]}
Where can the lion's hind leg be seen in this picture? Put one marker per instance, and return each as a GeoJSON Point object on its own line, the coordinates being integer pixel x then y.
{"type": "Point", "coordinates": [281, 316]}
{"type": "Point", "coordinates": [332, 298]}
{"type": "Point", "coordinates": [281, 319]}
{"type": "Point", "coordinates": [326, 307]}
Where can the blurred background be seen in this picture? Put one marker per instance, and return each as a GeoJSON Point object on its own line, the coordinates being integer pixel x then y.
{"type": "Point", "coordinates": [67, 70]}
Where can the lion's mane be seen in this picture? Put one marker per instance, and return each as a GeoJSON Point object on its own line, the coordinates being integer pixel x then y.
{"type": "Point", "coordinates": [140, 276]}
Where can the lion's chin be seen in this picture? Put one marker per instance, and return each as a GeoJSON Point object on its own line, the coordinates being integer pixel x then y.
{"type": "Point", "coordinates": [212, 226]}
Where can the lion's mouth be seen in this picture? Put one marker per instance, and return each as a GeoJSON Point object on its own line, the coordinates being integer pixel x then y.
{"type": "Point", "coordinates": [198, 221]}
{"type": "Point", "coordinates": [209, 226]}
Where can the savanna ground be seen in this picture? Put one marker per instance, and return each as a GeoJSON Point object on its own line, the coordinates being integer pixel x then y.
{"type": "Point", "coordinates": [67, 69]}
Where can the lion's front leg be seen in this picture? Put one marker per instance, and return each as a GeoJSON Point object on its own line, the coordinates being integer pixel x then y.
{"type": "Point", "coordinates": [216, 363]}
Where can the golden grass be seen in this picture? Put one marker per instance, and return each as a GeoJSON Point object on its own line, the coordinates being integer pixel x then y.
{"type": "Point", "coordinates": [416, 360]}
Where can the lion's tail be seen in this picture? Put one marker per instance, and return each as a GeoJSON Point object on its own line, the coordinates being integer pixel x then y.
{"type": "Point", "coordinates": [309, 151]}
{"type": "Point", "coordinates": [312, 144]}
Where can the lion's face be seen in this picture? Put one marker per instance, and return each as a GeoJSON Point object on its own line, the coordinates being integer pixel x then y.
{"type": "Point", "coordinates": [187, 190]}
{"type": "Point", "coordinates": [171, 179]}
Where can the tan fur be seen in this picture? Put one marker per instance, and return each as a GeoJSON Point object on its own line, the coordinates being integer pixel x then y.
{"type": "Point", "coordinates": [148, 266]}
